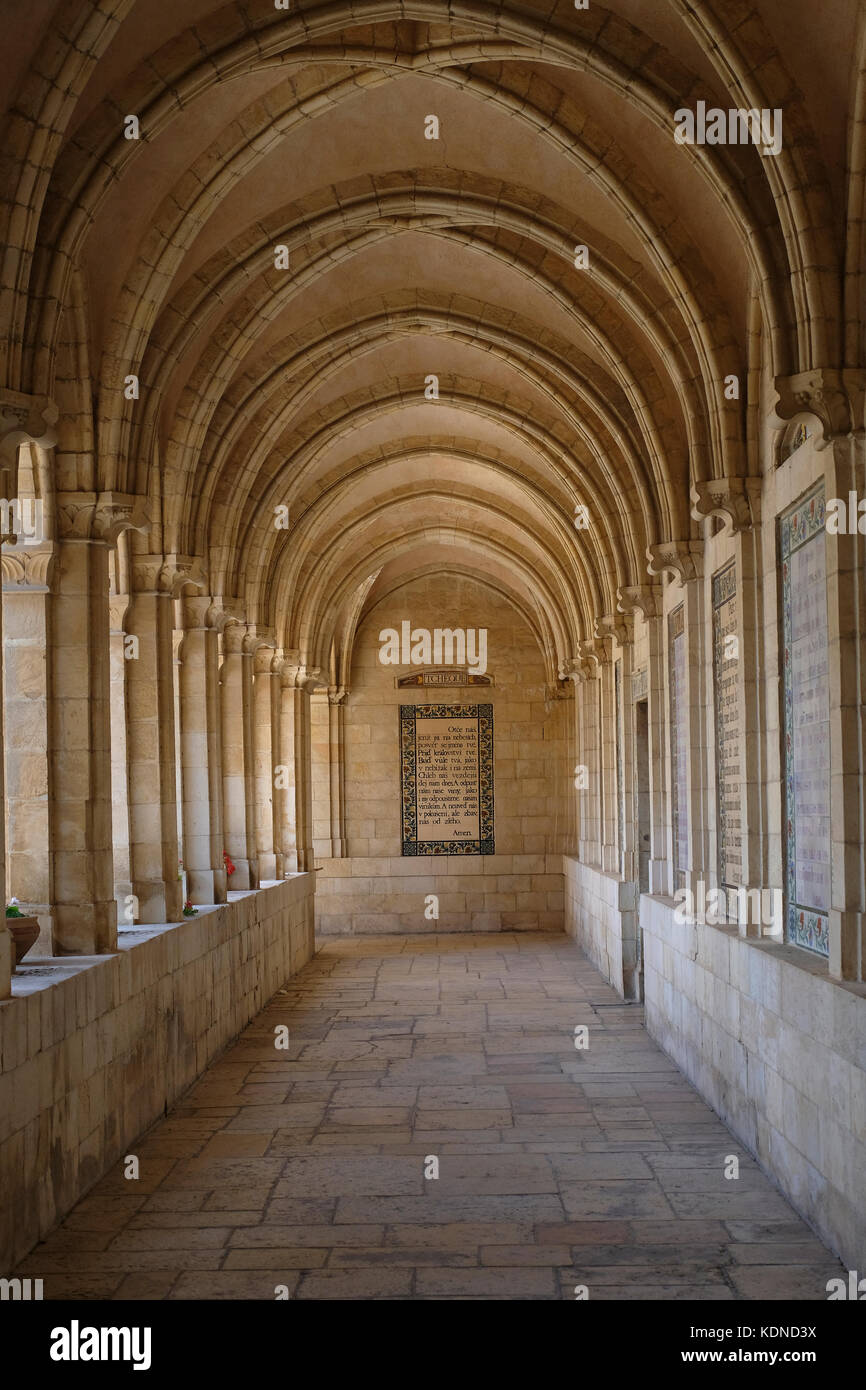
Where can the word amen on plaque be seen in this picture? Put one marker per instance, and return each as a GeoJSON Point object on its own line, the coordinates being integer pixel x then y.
{"type": "Point", "coordinates": [446, 756]}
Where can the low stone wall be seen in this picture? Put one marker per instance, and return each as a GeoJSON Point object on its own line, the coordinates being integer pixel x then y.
{"type": "Point", "coordinates": [779, 1050]}
{"type": "Point", "coordinates": [93, 1048]}
{"type": "Point", "coordinates": [601, 916]}
{"type": "Point", "coordinates": [475, 892]}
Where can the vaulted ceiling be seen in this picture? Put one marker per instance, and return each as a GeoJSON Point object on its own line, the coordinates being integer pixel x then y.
{"type": "Point", "coordinates": [561, 386]}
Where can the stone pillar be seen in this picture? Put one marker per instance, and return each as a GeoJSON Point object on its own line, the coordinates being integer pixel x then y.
{"type": "Point", "coordinates": [26, 573]}
{"type": "Point", "coordinates": [84, 912]}
{"type": "Point", "coordinates": [236, 695]}
{"type": "Point", "coordinates": [296, 757]}
{"type": "Point", "coordinates": [119, 765]}
{"type": "Point", "coordinates": [660, 865]}
{"type": "Point", "coordinates": [150, 711]}
{"type": "Point", "coordinates": [201, 753]}
{"type": "Point", "coordinates": [609, 848]}
{"type": "Point", "coordinates": [23, 420]}
{"type": "Point", "coordinates": [337, 752]}
{"type": "Point", "coordinates": [619, 627]}
{"type": "Point", "coordinates": [266, 705]}
{"type": "Point", "coordinates": [320, 771]}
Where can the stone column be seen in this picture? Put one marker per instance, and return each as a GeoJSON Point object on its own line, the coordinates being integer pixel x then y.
{"type": "Point", "coordinates": [337, 751]}
{"type": "Point", "coordinates": [266, 685]}
{"type": "Point", "coordinates": [619, 627]}
{"type": "Point", "coordinates": [236, 695]}
{"type": "Point", "coordinates": [84, 912]}
{"type": "Point", "coordinates": [660, 865]}
{"type": "Point", "coordinates": [26, 595]}
{"type": "Point", "coordinates": [320, 771]}
{"type": "Point", "coordinates": [150, 711]}
{"type": "Point", "coordinates": [296, 757]}
{"type": "Point", "coordinates": [119, 765]}
{"type": "Point", "coordinates": [608, 847]}
{"type": "Point", "coordinates": [23, 420]}
{"type": "Point", "coordinates": [201, 752]}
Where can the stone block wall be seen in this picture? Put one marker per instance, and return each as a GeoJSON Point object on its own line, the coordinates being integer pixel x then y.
{"type": "Point", "coordinates": [601, 916]}
{"type": "Point", "coordinates": [495, 892]}
{"type": "Point", "coordinates": [778, 1048]}
{"type": "Point", "coordinates": [93, 1049]}
{"type": "Point", "coordinates": [520, 887]}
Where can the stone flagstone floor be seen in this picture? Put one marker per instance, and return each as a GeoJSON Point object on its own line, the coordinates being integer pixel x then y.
{"type": "Point", "coordinates": [557, 1167]}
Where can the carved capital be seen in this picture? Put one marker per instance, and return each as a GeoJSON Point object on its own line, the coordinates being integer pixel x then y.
{"type": "Point", "coordinates": [118, 606]}
{"type": "Point", "coordinates": [835, 396]}
{"type": "Point", "coordinates": [25, 419]}
{"type": "Point", "coordinates": [99, 516]}
{"type": "Point", "coordinates": [27, 569]}
{"type": "Point", "coordinates": [337, 694]}
{"type": "Point", "coordinates": [296, 675]}
{"type": "Point", "coordinates": [681, 559]}
{"type": "Point", "coordinates": [645, 599]}
{"type": "Point", "coordinates": [167, 575]}
{"type": "Point", "coordinates": [257, 638]}
{"type": "Point", "coordinates": [617, 626]}
{"type": "Point", "coordinates": [234, 632]}
{"type": "Point", "coordinates": [264, 659]}
{"type": "Point", "coordinates": [737, 501]}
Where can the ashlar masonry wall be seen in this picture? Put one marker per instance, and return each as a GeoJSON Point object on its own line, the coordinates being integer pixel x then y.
{"type": "Point", "coordinates": [520, 887]}
{"type": "Point", "coordinates": [94, 1048]}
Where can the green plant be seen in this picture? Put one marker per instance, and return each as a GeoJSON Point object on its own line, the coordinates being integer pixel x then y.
{"type": "Point", "coordinates": [189, 910]}
{"type": "Point", "coordinates": [12, 908]}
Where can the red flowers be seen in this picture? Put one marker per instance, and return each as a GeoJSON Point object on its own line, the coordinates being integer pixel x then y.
{"type": "Point", "coordinates": [230, 868]}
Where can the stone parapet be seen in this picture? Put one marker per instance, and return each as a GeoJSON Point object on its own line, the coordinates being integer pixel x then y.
{"type": "Point", "coordinates": [94, 1048]}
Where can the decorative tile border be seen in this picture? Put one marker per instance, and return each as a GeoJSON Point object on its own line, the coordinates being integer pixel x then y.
{"type": "Point", "coordinates": [411, 844]}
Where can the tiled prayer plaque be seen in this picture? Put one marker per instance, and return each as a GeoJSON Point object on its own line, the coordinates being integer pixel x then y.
{"type": "Point", "coordinates": [447, 773]}
{"type": "Point", "coordinates": [803, 556]}
{"type": "Point", "coordinates": [678, 677]}
{"type": "Point", "coordinates": [729, 784]}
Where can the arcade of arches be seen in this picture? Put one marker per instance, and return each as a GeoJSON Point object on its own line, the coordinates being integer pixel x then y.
{"type": "Point", "coordinates": [333, 327]}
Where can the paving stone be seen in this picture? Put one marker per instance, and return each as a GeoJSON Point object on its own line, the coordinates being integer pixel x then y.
{"type": "Point", "coordinates": [555, 1167]}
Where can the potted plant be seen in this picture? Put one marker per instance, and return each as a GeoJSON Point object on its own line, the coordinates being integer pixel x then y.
{"type": "Point", "coordinates": [230, 868]}
{"type": "Point", "coordinates": [189, 910]}
{"type": "Point", "coordinates": [24, 929]}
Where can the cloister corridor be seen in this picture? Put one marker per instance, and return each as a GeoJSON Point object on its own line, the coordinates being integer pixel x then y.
{"type": "Point", "coordinates": [432, 670]}
{"type": "Point", "coordinates": [558, 1167]}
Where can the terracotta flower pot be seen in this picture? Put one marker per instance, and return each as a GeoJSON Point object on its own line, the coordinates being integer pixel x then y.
{"type": "Point", "coordinates": [24, 932]}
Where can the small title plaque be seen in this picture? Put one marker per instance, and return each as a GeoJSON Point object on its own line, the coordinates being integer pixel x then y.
{"type": "Point", "coordinates": [442, 676]}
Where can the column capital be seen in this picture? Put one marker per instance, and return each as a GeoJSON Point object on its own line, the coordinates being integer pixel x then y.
{"type": "Point", "coordinates": [27, 569]}
{"type": "Point", "coordinates": [683, 560]}
{"type": "Point", "coordinates": [645, 599]}
{"type": "Point", "coordinates": [837, 396]}
{"type": "Point", "coordinates": [295, 675]}
{"type": "Point", "coordinates": [337, 694]}
{"type": "Point", "coordinates": [736, 501]}
{"type": "Point", "coordinates": [615, 626]}
{"type": "Point", "coordinates": [583, 667]}
{"type": "Point", "coordinates": [117, 609]}
{"type": "Point", "coordinates": [166, 575]}
{"type": "Point", "coordinates": [266, 660]}
{"type": "Point", "coordinates": [26, 419]}
{"type": "Point", "coordinates": [99, 517]}
{"type": "Point", "coordinates": [257, 639]}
